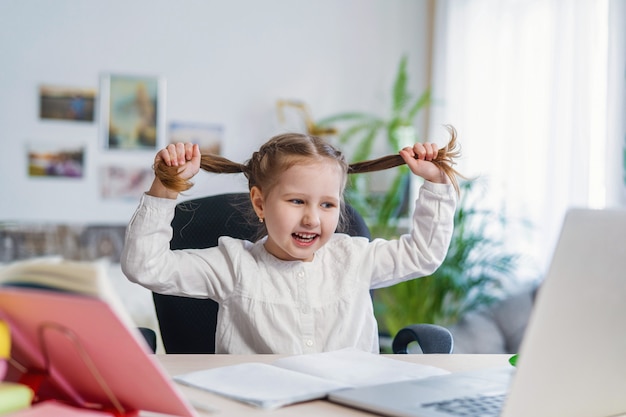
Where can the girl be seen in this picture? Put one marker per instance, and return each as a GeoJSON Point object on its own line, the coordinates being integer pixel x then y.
{"type": "Point", "coordinates": [302, 288]}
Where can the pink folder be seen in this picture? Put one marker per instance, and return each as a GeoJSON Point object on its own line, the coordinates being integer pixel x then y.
{"type": "Point", "coordinates": [74, 349]}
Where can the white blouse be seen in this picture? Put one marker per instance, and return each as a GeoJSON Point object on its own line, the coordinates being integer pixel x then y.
{"type": "Point", "coordinates": [291, 307]}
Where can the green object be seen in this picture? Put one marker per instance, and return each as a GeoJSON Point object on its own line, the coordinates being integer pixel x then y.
{"type": "Point", "coordinates": [14, 397]}
{"type": "Point", "coordinates": [477, 262]}
{"type": "Point", "coordinates": [397, 129]}
{"type": "Point", "coordinates": [513, 360]}
{"type": "Point", "coordinates": [470, 278]}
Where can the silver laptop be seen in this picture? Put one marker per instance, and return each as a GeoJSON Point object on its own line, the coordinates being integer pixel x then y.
{"type": "Point", "coordinates": [572, 361]}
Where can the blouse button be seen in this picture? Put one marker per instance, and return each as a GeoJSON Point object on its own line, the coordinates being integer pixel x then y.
{"type": "Point", "coordinates": [309, 342]}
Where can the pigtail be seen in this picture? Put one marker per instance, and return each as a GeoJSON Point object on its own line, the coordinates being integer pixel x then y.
{"type": "Point", "coordinates": [168, 175]}
{"type": "Point", "coordinates": [281, 151]}
{"type": "Point", "coordinates": [444, 160]}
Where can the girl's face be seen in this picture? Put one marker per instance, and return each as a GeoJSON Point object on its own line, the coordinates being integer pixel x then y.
{"type": "Point", "coordinates": [301, 211]}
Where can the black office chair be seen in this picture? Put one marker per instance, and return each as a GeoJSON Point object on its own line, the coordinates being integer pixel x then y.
{"type": "Point", "coordinates": [188, 325]}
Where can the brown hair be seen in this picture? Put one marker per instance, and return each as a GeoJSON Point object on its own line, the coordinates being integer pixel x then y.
{"type": "Point", "coordinates": [283, 151]}
{"type": "Point", "coordinates": [444, 160]}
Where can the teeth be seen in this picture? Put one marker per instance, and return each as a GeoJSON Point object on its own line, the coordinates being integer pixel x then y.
{"type": "Point", "coordinates": [304, 235]}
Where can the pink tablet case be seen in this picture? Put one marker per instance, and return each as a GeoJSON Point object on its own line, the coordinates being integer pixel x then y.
{"type": "Point", "coordinates": [90, 356]}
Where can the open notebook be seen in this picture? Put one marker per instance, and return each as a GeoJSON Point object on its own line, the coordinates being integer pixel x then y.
{"type": "Point", "coordinates": [75, 349]}
{"type": "Point", "coordinates": [572, 356]}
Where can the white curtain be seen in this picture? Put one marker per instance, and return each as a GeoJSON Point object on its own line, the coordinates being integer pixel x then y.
{"type": "Point", "coordinates": [524, 82]}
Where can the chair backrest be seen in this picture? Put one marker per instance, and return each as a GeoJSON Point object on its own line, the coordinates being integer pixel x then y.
{"type": "Point", "coordinates": [188, 325]}
{"type": "Point", "coordinates": [431, 338]}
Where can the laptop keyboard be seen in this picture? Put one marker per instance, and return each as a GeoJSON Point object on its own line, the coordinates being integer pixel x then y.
{"type": "Point", "coordinates": [480, 406]}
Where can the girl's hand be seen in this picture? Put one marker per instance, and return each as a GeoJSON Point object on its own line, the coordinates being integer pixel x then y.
{"type": "Point", "coordinates": [185, 156]}
{"type": "Point", "coordinates": [418, 157]}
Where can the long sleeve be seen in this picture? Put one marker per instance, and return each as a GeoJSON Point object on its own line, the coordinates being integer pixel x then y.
{"type": "Point", "coordinates": [272, 306]}
{"type": "Point", "coordinates": [147, 259]}
{"type": "Point", "coordinates": [421, 251]}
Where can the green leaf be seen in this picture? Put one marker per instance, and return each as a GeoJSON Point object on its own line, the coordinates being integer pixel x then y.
{"type": "Point", "coordinates": [358, 129]}
{"type": "Point", "coordinates": [393, 197]}
{"type": "Point", "coordinates": [346, 117]}
{"type": "Point", "coordinates": [366, 143]}
{"type": "Point", "coordinates": [400, 93]}
{"type": "Point", "coordinates": [423, 101]}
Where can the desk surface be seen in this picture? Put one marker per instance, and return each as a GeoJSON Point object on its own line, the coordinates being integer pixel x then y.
{"type": "Point", "coordinates": [179, 364]}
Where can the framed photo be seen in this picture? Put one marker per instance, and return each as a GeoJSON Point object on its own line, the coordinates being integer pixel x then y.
{"type": "Point", "coordinates": [124, 182]}
{"type": "Point", "coordinates": [132, 111]}
{"type": "Point", "coordinates": [66, 103]}
{"type": "Point", "coordinates": [207, 136]}
{"type": "Point", "coordinates": [56, 160]}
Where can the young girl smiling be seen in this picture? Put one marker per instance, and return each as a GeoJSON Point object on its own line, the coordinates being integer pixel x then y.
{"type": "Point", "coordinates": [301, 288]}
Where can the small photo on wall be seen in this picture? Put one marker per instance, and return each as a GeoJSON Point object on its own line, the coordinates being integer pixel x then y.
{"type": "Point", "coordinates": [132, 111]}
{"type": "Point", "coordinates": [66, 103]}
{"type": "Point", "coordinates": [124, 182]}
{"type": "Point", "coordinates": [207, 136]}
{"type": "Point", "coordinates": [63, 161]}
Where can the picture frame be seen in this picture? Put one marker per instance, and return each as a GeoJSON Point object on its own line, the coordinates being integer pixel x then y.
{"type": "Point", "coordinates": [124, 182]}
{"type": "Point", "coordinates": [132, 111]}
{"type": "Point", "coordinates": [67, 103]}
{"type": "Point", "coordinates": [55, 160]}
{"type": "Point", "coordinates": [208, 136]}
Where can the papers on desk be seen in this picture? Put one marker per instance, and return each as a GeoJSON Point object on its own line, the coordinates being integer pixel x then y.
{"type": "Point", "coordinates": [300, 378]}
{"type": "Point", "coordinates": [260, 384]}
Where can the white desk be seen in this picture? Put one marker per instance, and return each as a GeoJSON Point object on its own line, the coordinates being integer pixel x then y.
{"type": "Point", "coordinates": [179, 364]}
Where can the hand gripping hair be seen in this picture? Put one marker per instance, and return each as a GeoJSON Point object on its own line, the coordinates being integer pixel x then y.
{"type": "Point", "coordinates": [285, 150]}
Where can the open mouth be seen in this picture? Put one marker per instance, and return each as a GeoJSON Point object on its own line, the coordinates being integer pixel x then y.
{"type": "Point", "coordinates": [304, 238]}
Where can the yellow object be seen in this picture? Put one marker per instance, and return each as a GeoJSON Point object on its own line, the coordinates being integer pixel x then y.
{"type": "Point", "coordinates": [5, 341]}
{"type": "Point", "coordinates": [14, 397]}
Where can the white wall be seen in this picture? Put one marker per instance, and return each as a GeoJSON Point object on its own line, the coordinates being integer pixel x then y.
{"type": "Point", "coordinates": [225, 62]}
{"type": "Point", "coordinates": [616, 106]}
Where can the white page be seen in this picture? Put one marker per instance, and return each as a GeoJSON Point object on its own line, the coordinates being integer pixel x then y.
{"type": "Point", "coordinates": [357, 368]}
{"type": "Point", "coordinates": [260, 384]}
{"type": "Point", "coordinates": [303, 377]}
